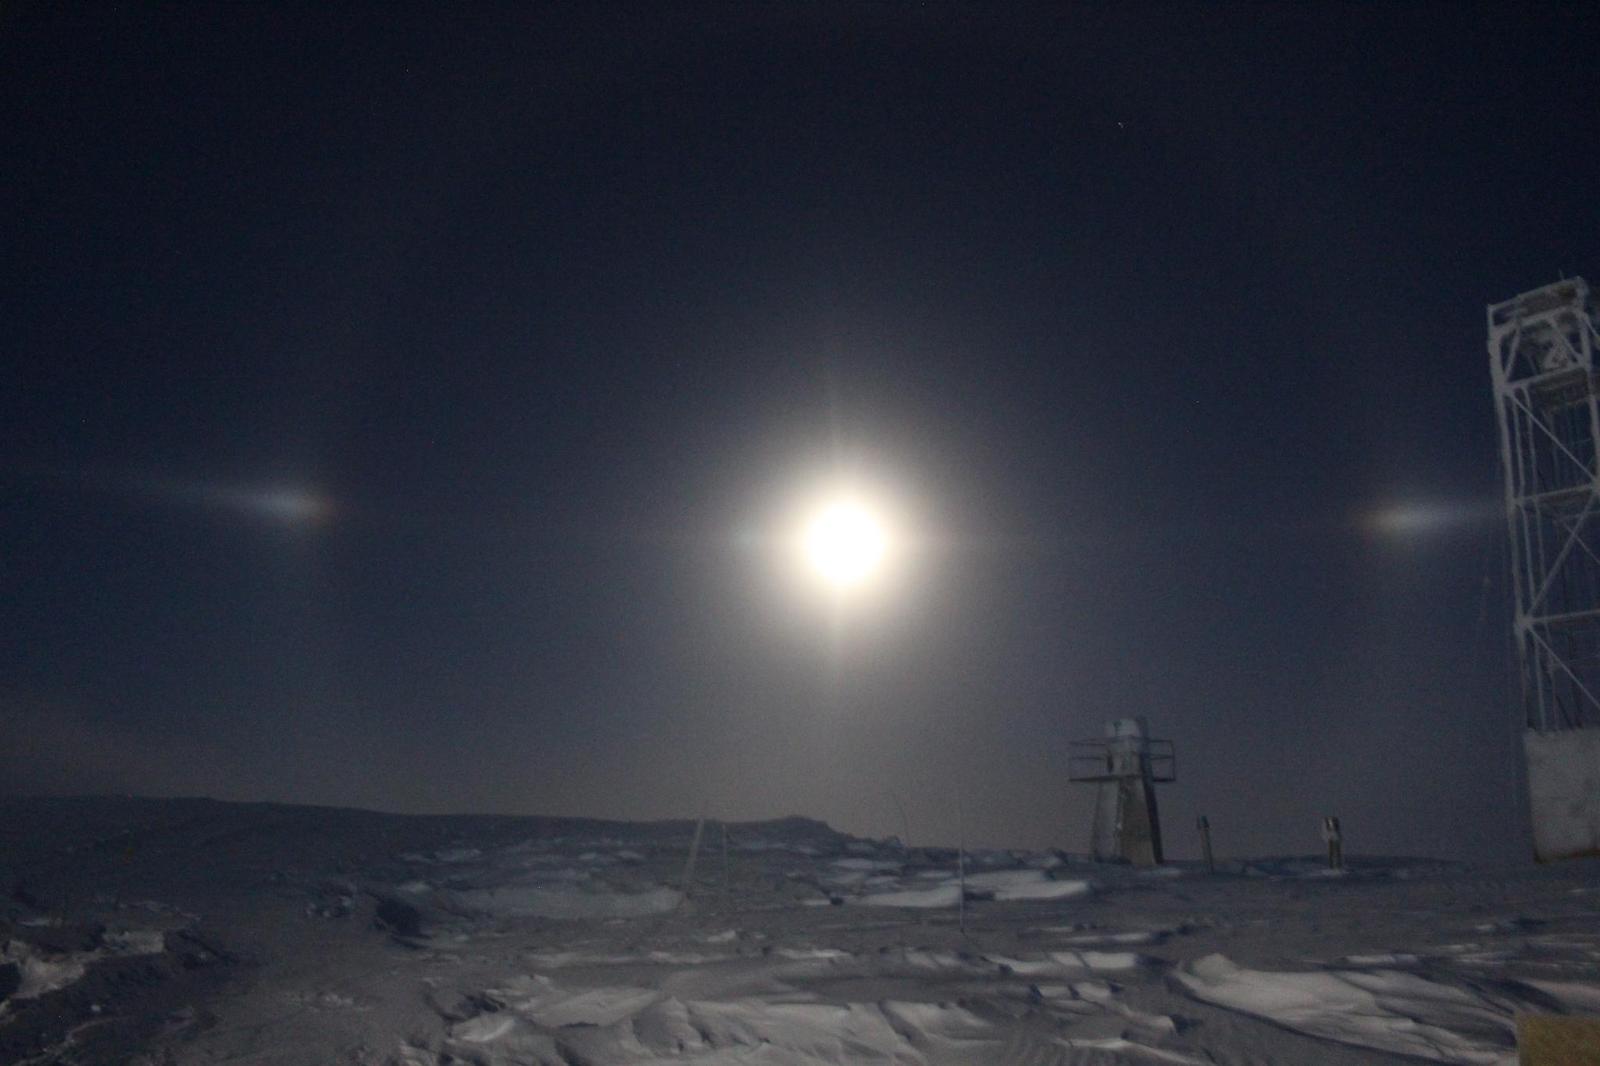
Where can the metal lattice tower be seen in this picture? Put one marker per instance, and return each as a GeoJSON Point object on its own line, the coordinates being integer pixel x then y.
{"type": "Point", "coordinates": [1541, 353]}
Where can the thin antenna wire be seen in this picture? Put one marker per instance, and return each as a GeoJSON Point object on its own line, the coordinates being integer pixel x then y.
{"type": "Point", "coordinates": [1513, 706]}
{"type": "Point", "coordinates": [905, 823]}
{"type": "Point", "coordinates": [694, 853]}
{"type": "Point", "coordinates": [961, 856]}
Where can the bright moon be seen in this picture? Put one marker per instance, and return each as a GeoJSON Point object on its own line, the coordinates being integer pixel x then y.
{"type": "Point", "coordinates": [845, 543]}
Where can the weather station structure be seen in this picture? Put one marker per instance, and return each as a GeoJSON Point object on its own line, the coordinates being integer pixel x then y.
{"type": "Point", "coordinates": [1541, 355]}
{"type": "Point", "coordinates": [1124, 766]}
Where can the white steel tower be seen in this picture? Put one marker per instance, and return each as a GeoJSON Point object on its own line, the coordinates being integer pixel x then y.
{"type": "Point", "coordinates": [1124, 766]}
{"type": "Point", "coordinates": [1542, 348]}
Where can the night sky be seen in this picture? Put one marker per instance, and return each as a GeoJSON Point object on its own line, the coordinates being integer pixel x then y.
{"type": "Point", "coordinates": [402, 405]}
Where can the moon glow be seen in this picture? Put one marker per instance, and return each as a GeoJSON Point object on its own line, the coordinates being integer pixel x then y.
{"type": "Point", "coordinates": [844, 543]}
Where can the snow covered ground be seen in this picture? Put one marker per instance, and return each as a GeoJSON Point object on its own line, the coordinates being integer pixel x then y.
{"type": "Point", "coordinates": [189, 931]}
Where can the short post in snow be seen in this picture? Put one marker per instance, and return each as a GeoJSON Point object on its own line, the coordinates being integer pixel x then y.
{"type": "Point", "coordinates": [1334, 838]}
{"type": "Point", "coordinates": [1204, 825]}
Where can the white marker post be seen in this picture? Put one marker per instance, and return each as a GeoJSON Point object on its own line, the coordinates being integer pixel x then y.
{"type": "Point", "coordinates": [1334, 838]}
{"type": "Point", "coordinates": [961, 858]}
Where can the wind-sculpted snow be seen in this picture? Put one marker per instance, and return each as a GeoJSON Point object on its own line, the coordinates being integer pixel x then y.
{"type": "Point", "coordinates": [1077, 961]}
{"type": "Point", "coordinates": [37, 975]}
{"type": "Point", "coordinates": [1119, 1050]}
{"type": "Point", "coordinates": [539, 999]}
{"type": "Point", "coordinates": [186, 932]}
{"type": "Point", "coordinates": [41, 971]}
{"type": "Point", "coordinates": [1042, 890]}
{"type": "Point", "coordinates": [947, 889]}
{"type": "Point", "coordinates": [630, 1025]}
{"type": "Point", "coordinates": [1385, 1009]}
{"type": "Point", "coordinates": [527, 901]}
{"type": "Point", "coordinates": [947, 895]}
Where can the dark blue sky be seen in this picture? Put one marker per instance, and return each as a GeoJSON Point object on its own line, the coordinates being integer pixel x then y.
{"type": "Point", "coordinates": [1144, 311]}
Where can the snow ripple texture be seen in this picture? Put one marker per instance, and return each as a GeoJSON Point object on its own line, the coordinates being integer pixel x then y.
{"type": "Point", "coordinates": [379, 940]}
